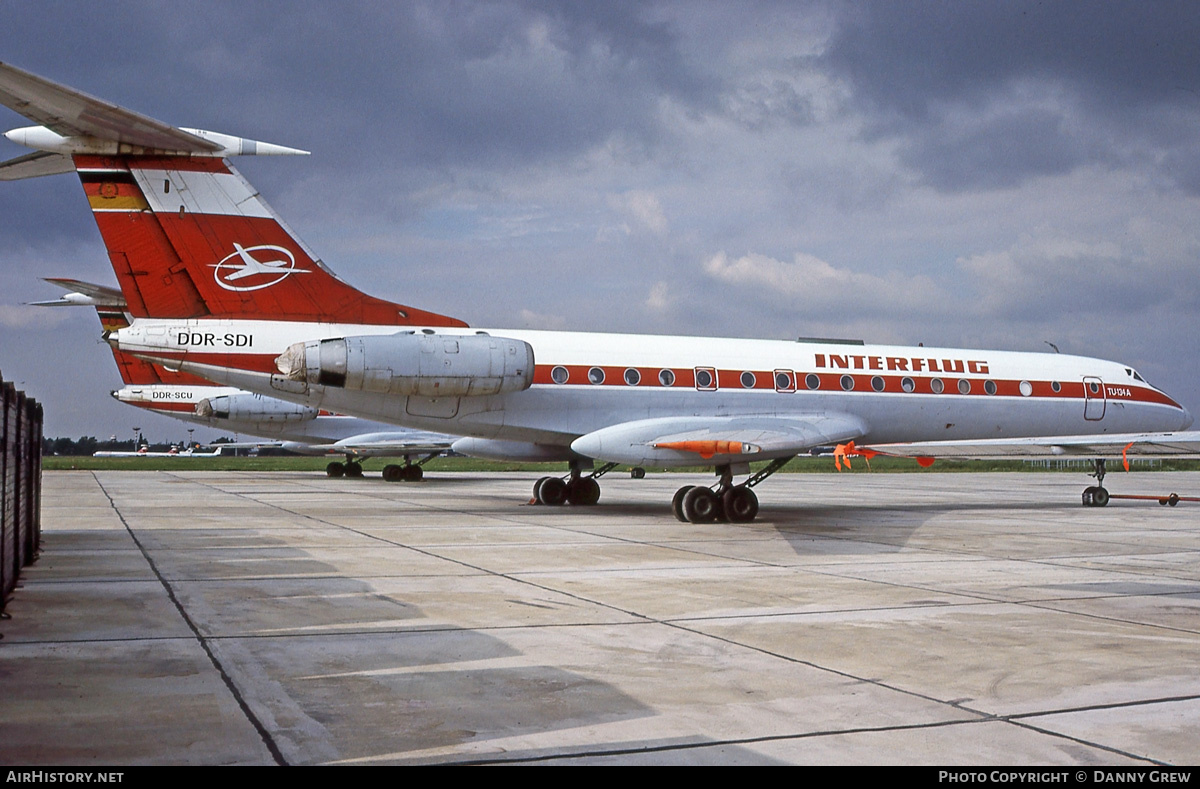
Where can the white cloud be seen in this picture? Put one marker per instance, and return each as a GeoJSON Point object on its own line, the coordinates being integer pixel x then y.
{"type": "Point", "coordinates": [659, 299]}
{"type": "Point", "coordinates": [535, 320]}
{"type": "Point", "coordinates": [21, 316]}
{"type": "Point", "coordinates": [643, 210]}
{"type": "Point", "coordinates": [809, 283]}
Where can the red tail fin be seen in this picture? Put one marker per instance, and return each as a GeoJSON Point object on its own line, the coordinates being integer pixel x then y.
{"type": "Point", "coordinates": [189, 238]}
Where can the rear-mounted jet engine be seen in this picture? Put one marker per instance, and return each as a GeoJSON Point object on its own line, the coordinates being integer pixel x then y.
{"type": "Point", "coordinates": [427, 365]}
{"type": "Point", "coordinates": [253, 408]}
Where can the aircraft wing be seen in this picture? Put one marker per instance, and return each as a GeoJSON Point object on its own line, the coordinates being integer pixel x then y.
{"type": "Point", "coordinates": [1110, 446]}
{"type": "Point", "coordinates": [697, 440]}
{"type": "Point", "coordinates": [265, 444]}
{"type": "Point", "coordinates": [71, 113]}
{"type": "Point", "coordinates": [394, 444]}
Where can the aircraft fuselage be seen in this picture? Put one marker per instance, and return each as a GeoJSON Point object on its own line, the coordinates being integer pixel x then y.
{"type": "Point", "coordinates": [583, 382]}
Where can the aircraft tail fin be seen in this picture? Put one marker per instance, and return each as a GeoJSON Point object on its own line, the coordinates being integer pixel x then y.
{"type": "Point", "coordinates": [189, 237]}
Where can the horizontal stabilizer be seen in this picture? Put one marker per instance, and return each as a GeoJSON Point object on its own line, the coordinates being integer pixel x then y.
{"type": "Point", "coordinates": [35, 165]}
{"type": "Point", "coordinates": [82, 294]}
{"type": "Point", "coordinates": [72, 122]}
{"type": "Point", "coordinates": [72, 113]}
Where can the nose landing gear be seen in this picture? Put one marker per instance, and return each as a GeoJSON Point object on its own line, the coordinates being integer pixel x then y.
{"type": "Point", "coordinates": [1096, 495]}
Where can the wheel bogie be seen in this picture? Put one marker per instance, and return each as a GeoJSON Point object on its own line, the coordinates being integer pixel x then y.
{"type": "Point", "coordinates": [552, 492]}
{"type": "Point", "coordinates": [677, 503]}
{"type": "Point", "coordinates": [700, 505]}
{"type": "Point", "coordinates": [741, 505]}
{"type": "Point", "coordinates": [583, 492]}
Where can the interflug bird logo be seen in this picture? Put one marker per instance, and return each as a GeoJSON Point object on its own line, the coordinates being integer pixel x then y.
{"type": "Point", "coordinates": [242, 264]}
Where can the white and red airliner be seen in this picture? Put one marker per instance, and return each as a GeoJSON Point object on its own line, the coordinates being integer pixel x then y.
{"type": "Point", "coordinates": [296, 428]}
{"type": "Point", "coordinates": [219, 287]}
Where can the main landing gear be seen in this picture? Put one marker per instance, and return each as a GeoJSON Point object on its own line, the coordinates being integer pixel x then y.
{"type": "Point", "coordinates": [350, 468]}
{"type": "Point", "coordinates": [409, 472]}
{"type": "Point", "coordinates": [725, 501]}
{"type": "Point", "coordinates": [1096, 495]}
{"type": "Point", "coordinates": [575, 488]}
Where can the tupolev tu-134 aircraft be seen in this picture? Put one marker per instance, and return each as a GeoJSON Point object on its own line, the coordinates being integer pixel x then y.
{"type": "Point", "coordinates": [296, 428]}
{"type": "Point", "coordinates": [219, 287]}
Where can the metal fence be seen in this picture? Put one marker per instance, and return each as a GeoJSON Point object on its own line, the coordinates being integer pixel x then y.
{"type": "Point", "coordinates": [21, 480]}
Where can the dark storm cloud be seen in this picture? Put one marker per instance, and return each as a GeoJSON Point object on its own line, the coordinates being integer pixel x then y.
{"type": "Point", "coordinates": [442, 82]}
{"type": "Point", "coordinates": [537, 163]}
{"type": "Point", "coordinates": [1051, 85]}
{"type": "Point", "coordinates": [505, 83]}
{"type": "Point", "coordinates": [1002, 150]}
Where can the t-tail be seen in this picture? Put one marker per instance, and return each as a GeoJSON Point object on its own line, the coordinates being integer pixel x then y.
{"type": "Point", "coordinates": [187, 235]}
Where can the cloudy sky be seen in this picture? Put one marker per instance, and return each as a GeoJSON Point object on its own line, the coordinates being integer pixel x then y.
{"type": "Point", "coordinates": [973, 174]}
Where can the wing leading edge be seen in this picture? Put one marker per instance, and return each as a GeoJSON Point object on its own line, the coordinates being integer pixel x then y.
{"type": "Point", "coordinates": [690, 441]}
{"type": "Point", "coordinates": [1116, 445]}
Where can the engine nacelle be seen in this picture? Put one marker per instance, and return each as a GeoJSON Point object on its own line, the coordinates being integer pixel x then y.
{"type": "Point", "coordinates": [253, 408]}
{"type": "Point", "coordinates": [427, 365]}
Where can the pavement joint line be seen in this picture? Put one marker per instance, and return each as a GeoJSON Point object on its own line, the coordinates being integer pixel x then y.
{"type": "Point", "coordinates": [630, 613]}
{"type": "Point", "coordinates": [1089, 743]}
{"type": "Point", "coordinates": [1012, 718]}
{"type": "Point", "coordinates": [268, 741]}
{"type": "Point", "coordinates": [1017, 719]}
{"type": "Point", "coordinates": [732, 741]}
{"type": "Point", "coordinates": [983, 599]}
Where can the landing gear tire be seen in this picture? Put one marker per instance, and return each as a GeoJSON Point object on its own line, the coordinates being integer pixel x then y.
{"type": "Point", "coordinates": [1099, 497]}
{"type": "Point", "coordinates": [1173, 499]}
{"type": "Point", "coordinates": [397, 473]}
{"type": "Point", "coordinates": [741, 505]}
{"type": "Point", "coordinates": [335, 470]}
{"type": "Point", "coordinates": [677, 503]}
{"type": "Point", "coordinates": [537, 489]}
{"type": "Point", "coordinates": [552, 492]}
{"type": "Point", "coordinates": [354, 469]}
{"type": "Point", "coordinates": [700, 505]}
{"type": "Point", "coordinates": [637, 472]}
{"type": "Point", "coordinates": [583, 492]}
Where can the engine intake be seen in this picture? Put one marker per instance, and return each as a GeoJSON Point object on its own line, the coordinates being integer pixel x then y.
{"type": "Point", "coordinates": [428, 365]}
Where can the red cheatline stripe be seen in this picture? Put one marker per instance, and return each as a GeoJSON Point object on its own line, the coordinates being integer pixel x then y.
{"type": "Point", "coordinates": [730, 380]}
{"type": "Point", "coordinates": [165, 405]}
